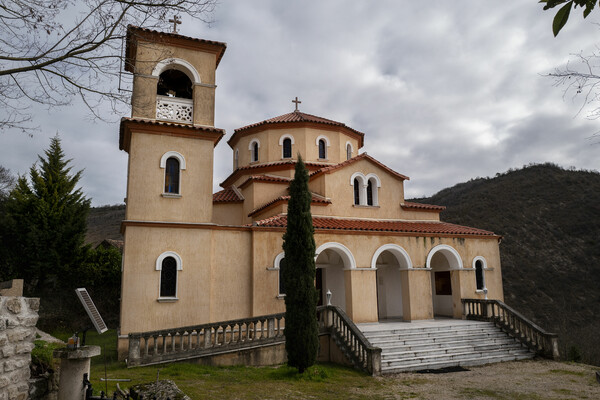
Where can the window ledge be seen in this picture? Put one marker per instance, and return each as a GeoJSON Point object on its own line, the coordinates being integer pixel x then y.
{"type": "Point", "coordinates": [323, 159]}
{"type": "Point", "coordinates": [364, 206]}
{"type": "Point", "coordinates": [280, 296]}
{"type": "Point", "coordinates": [167, 299]}
{"type": "Point", "coordinates": [172, 195]}
{"type": "Point", "coordinates": [480, 291]}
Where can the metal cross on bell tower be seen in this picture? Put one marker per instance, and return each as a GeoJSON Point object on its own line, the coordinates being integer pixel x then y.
{"type": "Point", "coordinates": [175, 20]}
{"type": "Point", "coordinates": [297, 102]}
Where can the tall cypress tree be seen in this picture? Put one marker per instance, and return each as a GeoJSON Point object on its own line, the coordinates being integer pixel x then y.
{"type": "Point", "coordinates": [298, 273]}
{"type": "Point", "coordinates": [46, 222]}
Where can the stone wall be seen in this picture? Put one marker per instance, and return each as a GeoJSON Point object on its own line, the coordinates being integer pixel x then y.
{"type": "Point", "coordinates": [18, 317]}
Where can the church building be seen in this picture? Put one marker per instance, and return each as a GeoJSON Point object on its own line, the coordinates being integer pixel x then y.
{"type": "Point", "coordinates": [192, 256]}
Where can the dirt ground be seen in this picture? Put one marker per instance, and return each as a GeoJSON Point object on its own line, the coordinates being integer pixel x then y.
{"type": "Point", "coordinates": [539, 379]}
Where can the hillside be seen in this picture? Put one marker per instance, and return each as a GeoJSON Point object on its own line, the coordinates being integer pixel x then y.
{"type": "Point", "coordinates": [105, 223]}
{"type": "Point", "coordinates": [550, 222]}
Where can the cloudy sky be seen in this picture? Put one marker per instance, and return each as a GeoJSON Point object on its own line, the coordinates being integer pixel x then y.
{"type": "Point", "coordinates": [444, 91]}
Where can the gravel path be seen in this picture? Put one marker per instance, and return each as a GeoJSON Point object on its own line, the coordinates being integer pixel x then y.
{"type": "Point", "coordinates": [537, 380]}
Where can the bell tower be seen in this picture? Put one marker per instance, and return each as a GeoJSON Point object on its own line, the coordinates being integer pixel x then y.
{"type": "Point", "coordinates": [170, 136]}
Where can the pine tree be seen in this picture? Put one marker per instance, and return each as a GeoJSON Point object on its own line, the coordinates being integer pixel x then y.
{"type": "Point", "coordinates": [298, 273]}
{"type": "Point", "coordinates": [46, 222]}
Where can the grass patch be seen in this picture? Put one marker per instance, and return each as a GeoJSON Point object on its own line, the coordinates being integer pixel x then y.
{"type": "Point", "coordinates": [41, 355]}
{"type": "Point", "coordinates": [500, 395]}
{"type": "Point", "coordinates": [567, 372]}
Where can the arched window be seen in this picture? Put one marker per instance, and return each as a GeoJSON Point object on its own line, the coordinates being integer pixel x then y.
{"type": "Point", "coordinates": [479, 275]}
{"type": "Point", "coordinates": [287, 148]}
{"type": "Point", "coordinates": [174, 83]}
{"type": "Point", "coordinates": [322, 149]}
{"type": "Point", "coordinates": [172, 176]}
{"type": "Point", "coordinates": [236, 159]}
{"type": "Point", "coordinates": [168, 263]}
{"type": "Point", "coordinates": [281, 268]}
{"type": "Point", "coordinates": [357, 188]}
{"type": "Point", "coordinates": [348, 151]}
{"type": "Point", "coordinates": [168, 278]}
{"type": "Point", "coordinates": [253, 147]}
{"type": "Point", "coordinates": [370, 193]}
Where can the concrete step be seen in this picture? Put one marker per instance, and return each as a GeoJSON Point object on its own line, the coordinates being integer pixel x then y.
{"type": "Point", "coordinates": [384, 341]}
{"type": "Point", "coordinates": [463, 348]}
{"type": "Point", "coordinates": [466, 362]}
{"type": "Point", "coordinates": [432, 331]}
{"type": "Point", "coordinates": [456, 357]}
{"type": "Point", "coordinates": [441, 345]}
{"type": "Point", "coordinates": [434, 346]}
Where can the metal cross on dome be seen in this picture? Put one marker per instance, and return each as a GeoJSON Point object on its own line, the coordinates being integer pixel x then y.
{"type": "Point", "coordinates": [175, 20]}
{"type": "Point", "coordinates": [297, 102]}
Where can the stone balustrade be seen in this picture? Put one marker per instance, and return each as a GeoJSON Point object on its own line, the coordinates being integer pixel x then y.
{"type": "Point", "coordinates": [513, 323]}
{"type": "Point", "coordinates": [174, 109]}
{"type": "Point", "coordinates": [208, 339]}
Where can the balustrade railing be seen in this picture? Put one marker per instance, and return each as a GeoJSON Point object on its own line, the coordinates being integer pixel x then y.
{"type": "Point", "coordinates": [178, 344]}
{"type": "Point", "coordinates": [175, 109]}
{"type": "Point", "coordinates": [190, 342]}
{"type": "Point", "coordinates": [513, 323]}
{"type": "Point", "coordinates": [350, 339]}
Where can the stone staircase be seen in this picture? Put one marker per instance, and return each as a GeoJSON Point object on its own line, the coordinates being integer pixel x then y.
{"type": "Point", "coordinates": [440, 344]}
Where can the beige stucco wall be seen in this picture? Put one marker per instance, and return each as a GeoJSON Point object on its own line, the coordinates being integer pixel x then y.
{"type": "Point", "coordinates": [304, 142]}
{"type": "Point", "coordinates": [148, 55]}
{"type": "Point", "coordinates": [228, 213]}
{"type": "Point", "coordinates": [339, 189]}
{"type": "Point", "coordinates": [145, 184]}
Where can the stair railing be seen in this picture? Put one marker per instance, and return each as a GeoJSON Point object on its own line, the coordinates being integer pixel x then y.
{"type": "Point", "coordinates": [185, 343]}
{"type": "Point", "coordinates": [350, 340]}
{"type": "Point", "coordinates": [513, 323]}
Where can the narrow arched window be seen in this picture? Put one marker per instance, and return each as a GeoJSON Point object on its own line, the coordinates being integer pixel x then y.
{"type": "Point", "coordinates": [255, 151]}
{"type": "Point", "coordinates": [172, 176]}
{"type": "Point", "coordinates": [168, 277]}
{"type": "Point", "coordinates": [281, 285]}
{"type": "Point", "coordinates": [287, 148]}
{"type": "Point", "coordinates": [348, 151]}
{"type": "Point", "coordinates": [370, 193]}
{"type": "Point", "coordinates": [479, 278]}
{"type": "Point", "coordinates": [322, 149]}
{"type": "Point", "coordinates": [236, 159]}
{"type": "Point", "coordinates": [356, 192]}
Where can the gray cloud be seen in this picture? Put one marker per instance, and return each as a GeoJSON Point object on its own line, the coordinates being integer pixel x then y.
{"type": "Point", "coordinates": [444, 92]}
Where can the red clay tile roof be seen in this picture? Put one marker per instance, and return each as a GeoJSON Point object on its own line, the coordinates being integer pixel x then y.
{"type": "Point", "coordinates": [421, 206]}
{"type": "Point", "coordinates": [133, 31]}
{"type": "Point", "coordinates": [359, 157]}
{"type": "Point", "coordinates": [276, 165]}
{"type": "Point", "coordinates": [175, 129]}
{"type": "Point", "coordinates": [266, 178]}
{"type": "Point", "coordinates": [296, 117]}
{"type": "Point", "coordinates": [227, 196]}
{"type": "Point", "coordinates": [414, 227]}
{"type": "Point", "coordinates": [284, 199]}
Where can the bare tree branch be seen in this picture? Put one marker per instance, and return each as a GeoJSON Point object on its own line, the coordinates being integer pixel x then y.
{"type": "Point", "coordinates": [52, 51]}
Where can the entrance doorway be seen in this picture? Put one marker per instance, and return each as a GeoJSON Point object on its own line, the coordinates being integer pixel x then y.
{"type": "Point", "coordinates": [442, 260]}
{"type": "Point", "coordinates": [332, 259]}
{"type": "Point", "coordinates": [389, 260]}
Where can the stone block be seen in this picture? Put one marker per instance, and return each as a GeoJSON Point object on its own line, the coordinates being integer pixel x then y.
{"type": "Point", "coordinates": [2, 324]}
{"type": "Point", "coordinates": [11, 322]}
{"type": "Point", "coordinates": [8, 351]}
{"type": "Point", "coordinates": [28, 321]}
{"type": "Point", "coordinates": [3, 339]}
{"type": "Point", "coordinates": [21, 348]}
{"type": "Point", "coordinates": [17, 335]}
{"type": "Point", "coordinates": [4, 381]}
{"type": "Point", "coordinates": [33, 303]}
{"type": "Point", "coordinates": [3, 395]}
{"type": "Point", "coordinates": [14, 305]}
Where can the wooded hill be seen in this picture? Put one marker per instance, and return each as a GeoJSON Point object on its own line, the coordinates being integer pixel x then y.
{"type": "Point", "coordinates": [549, 218]}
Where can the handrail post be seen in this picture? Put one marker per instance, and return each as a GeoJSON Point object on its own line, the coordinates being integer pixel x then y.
{"type": "Point", "coordinates": [554, 353]}
{"type": "Point", "coordinates": [133, 358]}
